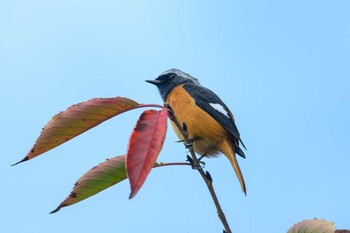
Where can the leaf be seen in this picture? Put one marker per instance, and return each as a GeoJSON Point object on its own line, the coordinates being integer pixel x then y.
{"type": "Point", "coordinates": [144, 147]}
{"type": "Point", "coordinates": [97, 179]}
{"type": "Point", "coordinates": [76, 120]}
{"type": "Point", "coordinates": [105, 175]}
{"type": "Point", "coordinates": [313, 226]}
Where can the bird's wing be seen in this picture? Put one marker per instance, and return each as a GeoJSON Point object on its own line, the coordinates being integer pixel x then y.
{"type": "Point", "coordinates": [212, 104]}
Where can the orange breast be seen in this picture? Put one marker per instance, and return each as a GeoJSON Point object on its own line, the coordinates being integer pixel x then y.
{"type": "Point", "coordinates": [208, 134]}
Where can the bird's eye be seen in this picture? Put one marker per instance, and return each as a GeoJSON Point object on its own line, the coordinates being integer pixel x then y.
{"type": "Point", "coordinates": [173, 76]}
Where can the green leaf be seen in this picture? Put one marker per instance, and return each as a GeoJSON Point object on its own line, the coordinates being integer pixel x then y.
{"type": "Point", "coordinates": [97, 179]}
{"type": "Point", "coordinates": [106, 174]}
{"type": "Point", "coordinates": [313, 226]}
{"type": "Point", "coordinates": [76, 120]}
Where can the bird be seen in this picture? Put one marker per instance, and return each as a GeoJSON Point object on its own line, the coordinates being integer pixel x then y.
{"type": "Point", "coordinates": [210, 124]}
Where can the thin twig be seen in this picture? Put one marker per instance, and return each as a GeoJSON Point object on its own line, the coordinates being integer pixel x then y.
{"type": "Point", "coordinates": [172, 164]}
{"type": "Point", "coordinates": [196, 163]}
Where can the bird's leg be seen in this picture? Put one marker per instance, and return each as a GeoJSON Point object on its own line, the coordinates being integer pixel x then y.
{"type": "Point", "coordinates": [184, 142]}
{"type": "Point", "coordinates": [195, 165]}
{"type": "Point", "coordinates": [189, 145]}
{"type": "Point", "coordinates": [200, 160]}
{"type": "Point", "coordinates": [202, 156]}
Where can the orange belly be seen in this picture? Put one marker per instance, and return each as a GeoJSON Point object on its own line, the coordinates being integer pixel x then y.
{"type": "Point", "coordinates": [207, 133]}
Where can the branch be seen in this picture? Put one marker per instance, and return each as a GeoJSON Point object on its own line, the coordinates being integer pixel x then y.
{"type": "Point", "coordinates": [171, 164]}
{"type": "Point", "coordinates": [196, 164]}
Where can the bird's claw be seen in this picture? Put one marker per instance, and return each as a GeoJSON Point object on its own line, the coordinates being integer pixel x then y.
{"type": "Point", "coordinates": [187, 145]}
{"type": "Point", "coordinates": [199, 165]}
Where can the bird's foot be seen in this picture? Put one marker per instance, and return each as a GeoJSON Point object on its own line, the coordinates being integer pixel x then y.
{"type": "Point", "coordinates": [202, 156]}
{"type": "Point", "coordinates": [189, 145]}
{"type": "Point", "coordinates": [196, 166]}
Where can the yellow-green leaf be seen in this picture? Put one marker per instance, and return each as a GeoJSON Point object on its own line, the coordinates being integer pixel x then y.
{"type": "Point", "coordinates": [97, 179]}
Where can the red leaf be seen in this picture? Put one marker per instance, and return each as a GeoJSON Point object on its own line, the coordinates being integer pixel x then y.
{"type": "Point", "coordinates": [144, 147]}
{"type": "Point", "coordinates": [76, 120]}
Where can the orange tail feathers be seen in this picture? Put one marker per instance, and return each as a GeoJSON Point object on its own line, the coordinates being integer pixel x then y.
{"type": "Point", "coordinates": [227, 149]}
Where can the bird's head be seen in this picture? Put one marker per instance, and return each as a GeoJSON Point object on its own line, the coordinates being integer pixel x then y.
{"type": "Point", "coordinates": [170, 79]}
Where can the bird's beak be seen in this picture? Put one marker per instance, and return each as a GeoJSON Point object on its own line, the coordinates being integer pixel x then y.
{"type": "Point", "coordinates": [154, 82]}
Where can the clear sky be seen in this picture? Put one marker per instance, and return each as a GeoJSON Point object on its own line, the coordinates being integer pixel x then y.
{"type": "Point", "coordinates": [281, 66]}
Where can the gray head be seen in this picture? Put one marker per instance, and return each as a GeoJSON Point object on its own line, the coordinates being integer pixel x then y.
{"type": "Point", "coordinates": [170, 79]}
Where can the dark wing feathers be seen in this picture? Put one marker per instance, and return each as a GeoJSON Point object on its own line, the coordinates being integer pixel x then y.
{"type": "Point", "coordinates": [204, 97]}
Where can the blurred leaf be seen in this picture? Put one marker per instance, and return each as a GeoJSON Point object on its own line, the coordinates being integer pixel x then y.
{"type": "Point", "coordinates": [313, 226]}
{"type": "Point", "coordinates": [97, 179]}
{"type": "Point", "coordinates": [145, 145]}
{"type": "Point", "coordinates": [76, 120]}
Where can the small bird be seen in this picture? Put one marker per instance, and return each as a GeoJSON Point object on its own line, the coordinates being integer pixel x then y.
{"type": "Point", "coordinates": [210, 124]}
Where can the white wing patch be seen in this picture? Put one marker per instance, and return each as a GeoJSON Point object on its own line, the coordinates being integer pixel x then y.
{"type": "Point", "coordinates": [219, 108]}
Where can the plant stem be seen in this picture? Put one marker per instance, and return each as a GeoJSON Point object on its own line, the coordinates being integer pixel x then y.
{"type": "Point", "coordinates": [171, 164]}
{"type": "Point", "coordinates": [196, 163]}
{"type": "Point", "coordinates": [150, 106]}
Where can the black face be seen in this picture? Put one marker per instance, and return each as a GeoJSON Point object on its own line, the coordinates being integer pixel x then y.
{"type": "Point", "coordinates": [170, 79]}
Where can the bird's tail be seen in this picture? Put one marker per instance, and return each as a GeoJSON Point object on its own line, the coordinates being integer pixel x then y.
{"type": "Point", "coordinates": [227, 149]}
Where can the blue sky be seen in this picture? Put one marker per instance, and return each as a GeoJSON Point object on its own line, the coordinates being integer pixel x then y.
{"type": "Point", "coordinates": [281, 66]}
